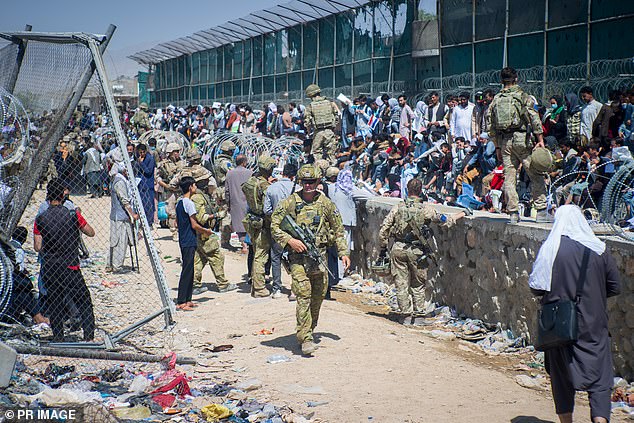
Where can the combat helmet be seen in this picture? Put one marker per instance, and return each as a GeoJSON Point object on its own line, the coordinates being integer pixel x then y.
{"type": "Point", "coordinates": [227, 146]}
{"type": "Point", "coordinates": [143, 106]}
{"type": "Point", "coordinates": [308, 172]}
{"type": "Point", "coordinates": [332, 172]}
{"type": "Point", "coordinates": [173, 146]}
{"type": "Point", "coordinates": [193, 154]}
{"type": "Point", "coordinates": [199, 173]}
{"type": "Point", "coordinates": [266, 163]}
{"type": "Point", "coordinates": [312, 90]}
{"type": "Point", "coordinates": [541, 160]}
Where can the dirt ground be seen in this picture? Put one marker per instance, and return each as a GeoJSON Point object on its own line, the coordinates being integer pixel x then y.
{"type": "Point", "coordinates": [367, 368]}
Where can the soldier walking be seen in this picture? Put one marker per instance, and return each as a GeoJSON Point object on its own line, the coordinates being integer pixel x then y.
{"type": "Point", "coordinates": [322, 116]}
{"type": "Point", "coordinates": [408, 259]}
{"type": "Point", "coordinates": [257, 224]}
{"type": "Point", "coordinates": [511, 118]}
{"type": "Point", "coordinates": [312, 210]}
{"type": "Point", "coordinates": [208, 248]}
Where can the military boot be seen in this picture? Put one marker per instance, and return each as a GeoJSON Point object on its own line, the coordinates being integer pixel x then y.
{"type": "Point", "coordinates": [544, 217]}
{"type": "Point", "coordinates": [405, 319]}
{"type": "Point", "coordinates": [308, 348]}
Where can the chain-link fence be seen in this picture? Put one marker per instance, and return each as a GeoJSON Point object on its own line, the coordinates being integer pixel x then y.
{"type": "Point", "coordinates": [76, 213]}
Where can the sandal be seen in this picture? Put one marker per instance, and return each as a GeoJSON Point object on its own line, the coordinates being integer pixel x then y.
{"type": "Point", "coordinates": [184, 307]}
{"type": "Point", "coordinates": [192, 304]}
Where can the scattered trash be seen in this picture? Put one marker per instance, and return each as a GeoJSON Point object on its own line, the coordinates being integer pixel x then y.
{"type": "Point", "coordinates": [538, 383]}
{"type": "Point", "coordinates": [316, 403]}
{"type": "Point", "coordinates": [249, 385]}
{"type": "Point", "coordinates": [278, 358]}
{"type": "Point", "coordinates": [139, 384]}
{"type": "Point", "coordinates": [441, 334]}
{"type": "Point", "coordinates": [309, 390]}
{"type": "Point", "coordinates": [220, 348]}
{"type": "Point", "coordinates": [265, 332]}
{"type": "Point", "coordinates": [215, 412]}
{"type": "Point", "coordinates": [132, 413]}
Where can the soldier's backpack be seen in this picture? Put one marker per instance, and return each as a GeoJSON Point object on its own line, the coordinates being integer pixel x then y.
{"type": "Point", "coordinates": [410, 214]}
{"type": "Point", "coordinates": [323, 115]}
{"type": "Point", "coordinates": [509, 111]}
{"type": "Point", "coordinates": [250, 190]}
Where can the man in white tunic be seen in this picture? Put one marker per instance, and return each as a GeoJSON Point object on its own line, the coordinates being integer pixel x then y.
{"type": "Point", "coordinates": [121, 212]}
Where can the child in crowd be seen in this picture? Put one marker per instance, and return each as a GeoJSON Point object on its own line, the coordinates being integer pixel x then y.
{"type": "Point", "coordinates": [187, 228]}
{"type": "Point", "coordinates": [22, 298]}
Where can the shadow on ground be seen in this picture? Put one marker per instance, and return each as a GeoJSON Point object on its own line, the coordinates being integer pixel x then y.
{"type": "Point", "coordinates": [529, 419]}
{"type": "Point", "coordinates": [289, 342]}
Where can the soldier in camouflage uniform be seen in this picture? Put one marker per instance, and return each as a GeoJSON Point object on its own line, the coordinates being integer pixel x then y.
{"type": "Point", "coordinates": [511, 117]}
{"type": "Point", "coordinates": [222, 164]}
{"type": "Point", "coordinates": [409, 272]}
{"type": "Point", "coordinates": [322, 115]}
{"type": "Point", "coordinates": [167, 169]}
{"type": "Point", "coordinates": [208, 249]}
{"type": "Point", "coordinates": [257, 224]}
{"type": "Point", "coordinates": [312, 209]}
{"type": "Point", "coordinates": [141, 120]}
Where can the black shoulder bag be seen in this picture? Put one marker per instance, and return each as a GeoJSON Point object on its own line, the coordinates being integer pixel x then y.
{"type": "Point", "coordinates": [558, 321]}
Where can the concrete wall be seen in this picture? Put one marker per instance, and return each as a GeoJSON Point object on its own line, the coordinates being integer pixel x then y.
{"type": "Point", "coordinates": [483, 268]}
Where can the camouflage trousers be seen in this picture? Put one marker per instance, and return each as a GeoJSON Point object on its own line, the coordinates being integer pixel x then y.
{"type": "Point", "coordinates": [261, 241]}
{"type": "Point", "coordinates": [324, 145]}
{"type": "Point", "coordinates": [516, 152]}
{"type": "Point", "coordinates": [208, 251]}
{"type": "Point", "coordinates": [309, 286]}
{"type": "Point", "coordinates": [171, 199]}
{"type": "Point", "coordinates": [409, 279]}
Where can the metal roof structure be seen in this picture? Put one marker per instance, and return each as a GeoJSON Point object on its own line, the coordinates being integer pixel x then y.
{"type": "Point", "coordinates": [262, 22]}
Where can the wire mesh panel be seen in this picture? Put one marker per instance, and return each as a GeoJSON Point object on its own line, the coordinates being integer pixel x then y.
{"type": "Point", "coordinates": [86, 270]}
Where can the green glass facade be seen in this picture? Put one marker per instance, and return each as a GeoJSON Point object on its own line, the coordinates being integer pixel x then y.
{"type": "Point", "coordinates": [368, 50]}
{"type": "Point", "coordinates": [354, 51]}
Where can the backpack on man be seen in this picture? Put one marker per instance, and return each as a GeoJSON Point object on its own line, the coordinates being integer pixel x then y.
{"type": "Point", "coordinates": [508, 112]}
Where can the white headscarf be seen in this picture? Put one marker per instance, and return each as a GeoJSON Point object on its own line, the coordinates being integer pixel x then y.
{"type": "Point", "coordinates": [569, 221]}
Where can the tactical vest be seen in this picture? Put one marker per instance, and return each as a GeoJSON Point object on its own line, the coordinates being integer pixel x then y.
{"type": "Point", "coordinates": [210, 207]}
{"type": "Point", "coordinates": [323, 114]}
{"type": "Point", "coordinates": [410, 213]}
{"type": "Point", "coordinates": [312, 216]}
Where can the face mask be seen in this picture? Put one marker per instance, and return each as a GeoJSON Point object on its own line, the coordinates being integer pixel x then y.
{"type": "Point", "coordinates": [467, 149]}
{"type": "Point", "coordinates": [554, 106]}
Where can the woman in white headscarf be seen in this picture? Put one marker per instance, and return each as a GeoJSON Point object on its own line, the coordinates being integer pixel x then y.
{"type": "Point", "coordinates": [585, 365]}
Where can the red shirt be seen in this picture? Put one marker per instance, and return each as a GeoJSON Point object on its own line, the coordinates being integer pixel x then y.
{"type": "Point", "coordinates": [81, 222]}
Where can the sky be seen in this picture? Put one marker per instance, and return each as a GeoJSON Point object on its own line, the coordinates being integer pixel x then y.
{"type": "Point", "coordinates": [141, 24]}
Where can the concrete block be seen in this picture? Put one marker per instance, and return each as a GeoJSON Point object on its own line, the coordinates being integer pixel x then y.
{"type": "Point", "coordinates": [8, 357]}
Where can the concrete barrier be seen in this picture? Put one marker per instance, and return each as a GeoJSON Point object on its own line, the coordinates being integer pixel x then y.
{"type": "Point", "coordinates": [483, 268]}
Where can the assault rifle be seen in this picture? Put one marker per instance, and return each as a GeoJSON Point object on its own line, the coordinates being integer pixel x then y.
{"type": "Point", "coordinates": [307, 236]}
{"type": "Point", "coordinates": [424, 233]}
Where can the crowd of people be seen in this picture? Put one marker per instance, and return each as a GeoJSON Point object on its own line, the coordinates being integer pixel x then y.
{"type": "Point", "coordinates": [504, 152]}
{"type": "Point", "coordinates": [386, 142]}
